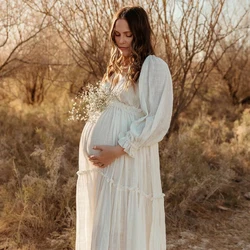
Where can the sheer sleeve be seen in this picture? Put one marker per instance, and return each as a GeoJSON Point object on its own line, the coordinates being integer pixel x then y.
{"type": "Point", "coordinates": [156, 101]}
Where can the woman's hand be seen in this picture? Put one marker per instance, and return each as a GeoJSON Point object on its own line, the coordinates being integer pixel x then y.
{"type": "Point", "coordinates": [107, 154]}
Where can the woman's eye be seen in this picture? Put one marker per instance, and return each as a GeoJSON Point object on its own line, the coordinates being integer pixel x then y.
{"type": "Point", "coordinates": [117, 34]}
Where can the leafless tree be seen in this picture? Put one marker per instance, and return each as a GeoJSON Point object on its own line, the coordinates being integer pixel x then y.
{"type": "Point", "coordinates": [187, 34]}
{"type": "Point", "coordinates": [18, 26]}
{"type": "Point", "coordinates": [234, 70]}
{"type": "Point", "coordinates": [43, 62]}
{"type": "Point", "coordinates": [234, 65]}
{"type": "Point", "coordinates": [190, 34]}
{"type": "Point", "coordinates": [83, 26]}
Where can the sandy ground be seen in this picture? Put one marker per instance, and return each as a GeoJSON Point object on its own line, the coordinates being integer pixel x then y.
{"type": "Point", "coordinates": [228, 230]}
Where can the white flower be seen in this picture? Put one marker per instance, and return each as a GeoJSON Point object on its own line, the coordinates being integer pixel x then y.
{"type": "Point", "coordinates": [91, 102]}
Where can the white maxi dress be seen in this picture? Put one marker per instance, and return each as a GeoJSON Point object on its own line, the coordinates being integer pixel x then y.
{"type": "Point", "coordinates": [121, 207]}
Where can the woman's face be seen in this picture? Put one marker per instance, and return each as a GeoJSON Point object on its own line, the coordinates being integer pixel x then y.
{"type": "Point", "coordinates": [123, 37]}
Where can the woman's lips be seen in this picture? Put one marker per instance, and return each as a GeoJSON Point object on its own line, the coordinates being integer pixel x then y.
{"type": "Point", "coordinates": [123, 48]}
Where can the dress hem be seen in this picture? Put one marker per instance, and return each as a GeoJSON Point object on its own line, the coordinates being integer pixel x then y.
{"type": "Point", "coordinates": [121, 187]}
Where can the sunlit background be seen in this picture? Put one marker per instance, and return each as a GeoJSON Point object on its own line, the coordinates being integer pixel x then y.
{"type": "Point", "coordinates": [51, 49]}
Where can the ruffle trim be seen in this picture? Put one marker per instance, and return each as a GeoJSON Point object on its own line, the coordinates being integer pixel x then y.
{"type": "Point", "coordinates": [129, 147]}
{"type": "Point", "coordinates": [125, 107]}
{"type": "Point", "coordinates": [121, 187]}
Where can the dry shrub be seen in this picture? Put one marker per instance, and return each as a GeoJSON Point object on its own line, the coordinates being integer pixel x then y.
{"type": "Point", "coordinates": [39, 161]}
{"type": "Point", "coordinates": [242, 131]}
{"type": "Point", "coordinates": [204, 170]}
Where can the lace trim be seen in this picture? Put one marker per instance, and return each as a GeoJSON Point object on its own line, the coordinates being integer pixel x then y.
{"type": "Point", "coordinates": [121, 187]}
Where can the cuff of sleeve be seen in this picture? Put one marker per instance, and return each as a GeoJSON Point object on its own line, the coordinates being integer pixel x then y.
{"type": "Point", "coordinates": [129, 148]}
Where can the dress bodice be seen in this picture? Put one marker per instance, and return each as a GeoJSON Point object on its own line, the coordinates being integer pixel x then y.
{"type": "Point", "coordinates": [126, 95]}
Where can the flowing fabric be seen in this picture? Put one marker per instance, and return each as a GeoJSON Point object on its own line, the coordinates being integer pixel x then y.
{"type": "Point", "coordinates": [121, 207]}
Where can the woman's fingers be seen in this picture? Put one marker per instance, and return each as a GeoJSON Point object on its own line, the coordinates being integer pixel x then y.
{"type": "Point", "coordinates": [106, 155]}
{"type": "Point", "coordinates": [98, 147]}
{"type": "Point", "coordinates": [97, 161]}
{"type": "Point", "coordinates": [99, 164]}
{"type": "Point", "coordinates": [93, 157]}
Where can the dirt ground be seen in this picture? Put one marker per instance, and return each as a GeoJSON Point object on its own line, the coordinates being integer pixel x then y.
{"type": "Point", "coordinates": [227, 230]}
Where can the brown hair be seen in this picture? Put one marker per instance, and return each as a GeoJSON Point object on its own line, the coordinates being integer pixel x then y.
{"type": "Point", "coordinates": [138, 23]}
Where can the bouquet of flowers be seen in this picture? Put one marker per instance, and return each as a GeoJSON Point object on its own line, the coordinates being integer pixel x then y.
{"type": "Point", "coordinates": [88, 105]}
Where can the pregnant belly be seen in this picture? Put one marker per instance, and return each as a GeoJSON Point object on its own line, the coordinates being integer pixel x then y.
{"type": "Point", "coordinates": [106, 130]}
{"type": "Point", "coordinates": [97, 134]}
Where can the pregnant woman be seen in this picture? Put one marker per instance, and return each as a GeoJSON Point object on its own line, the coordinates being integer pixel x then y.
{"type": "Point", "coordinates": [120, 204]}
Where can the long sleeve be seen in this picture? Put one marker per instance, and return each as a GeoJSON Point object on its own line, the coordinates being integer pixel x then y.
{"type": "Point", "coordinates": [156, 101]}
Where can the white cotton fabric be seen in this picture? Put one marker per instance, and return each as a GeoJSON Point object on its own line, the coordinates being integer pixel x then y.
{"type": "Point", "coordinates": [121, 207]}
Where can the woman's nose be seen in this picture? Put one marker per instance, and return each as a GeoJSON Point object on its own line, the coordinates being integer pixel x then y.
{"type": "Point", "coordinates": [122, 39]}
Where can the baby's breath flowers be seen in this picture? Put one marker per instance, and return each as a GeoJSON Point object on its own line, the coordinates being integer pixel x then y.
{"type": "Point", "coordinates": [88, 105]}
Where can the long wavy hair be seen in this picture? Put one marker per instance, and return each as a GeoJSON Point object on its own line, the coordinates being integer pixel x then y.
{"type": "Point", "coordinates": [139, 25]}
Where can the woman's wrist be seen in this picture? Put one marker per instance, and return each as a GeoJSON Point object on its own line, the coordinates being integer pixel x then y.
{"type": "Point", "coordinates": [120, 150]}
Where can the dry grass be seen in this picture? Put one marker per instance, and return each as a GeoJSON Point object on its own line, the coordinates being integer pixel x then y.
{"type": "Point", "coordinates": [38, 165]}
{"type": "Point", "coordinates": [205, 173]}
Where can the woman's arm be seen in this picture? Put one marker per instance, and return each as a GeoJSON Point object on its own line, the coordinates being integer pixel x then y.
{"type": "Point", "coordinates": [156, 100]}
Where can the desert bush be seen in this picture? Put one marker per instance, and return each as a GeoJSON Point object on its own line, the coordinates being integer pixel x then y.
{"type": "Point", "coordinates": [242, 131]}
{"type": "Point", "coordinates": [39, 161]}
{"type": "Point", "coordinates": [204, 170]}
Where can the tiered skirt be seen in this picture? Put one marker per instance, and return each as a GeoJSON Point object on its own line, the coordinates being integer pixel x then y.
{"type": "Point", "coordinates": [120, 207]}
